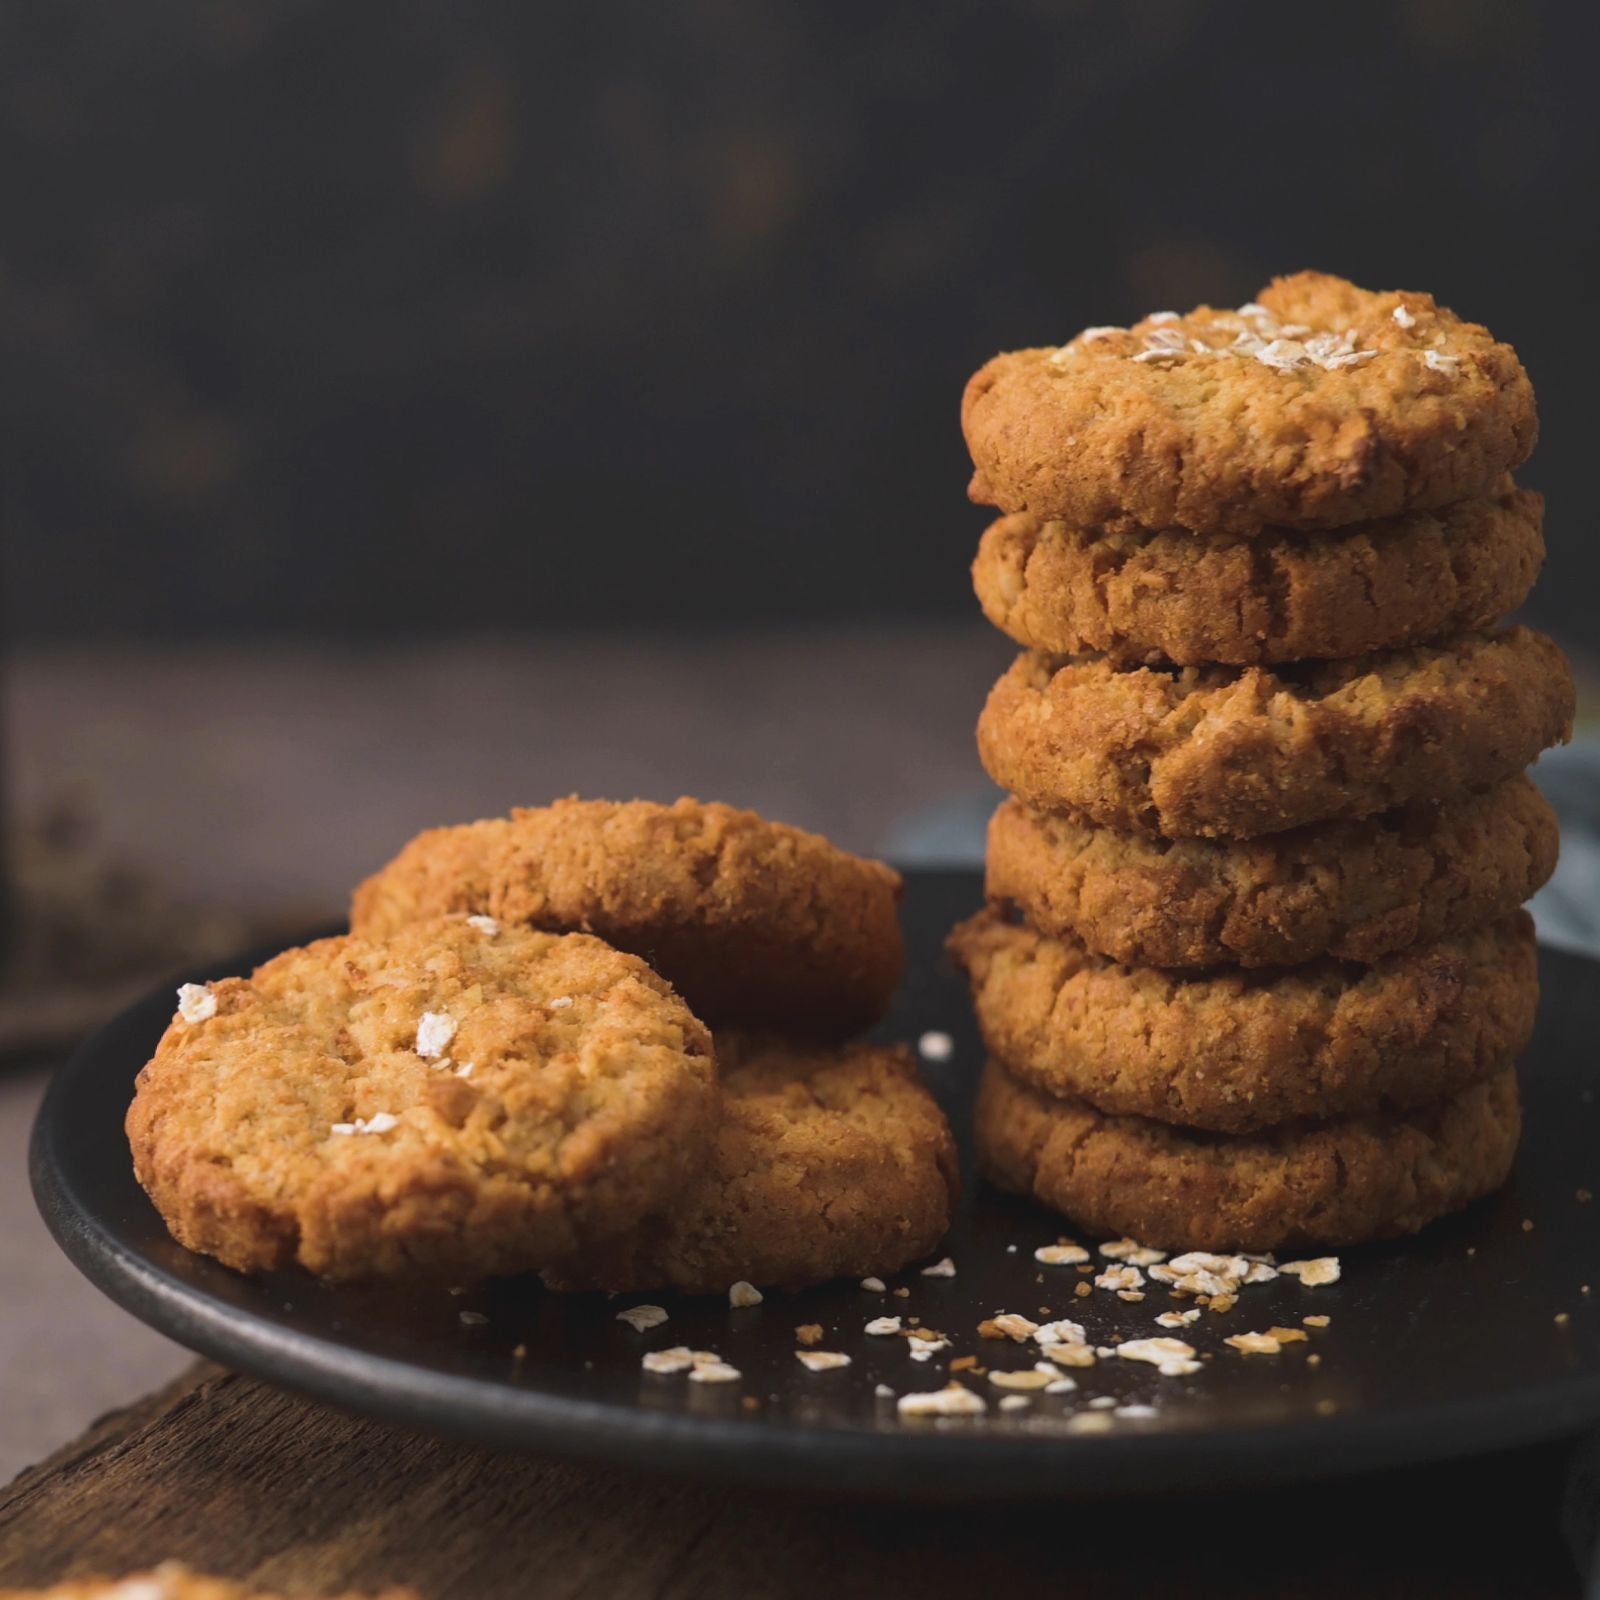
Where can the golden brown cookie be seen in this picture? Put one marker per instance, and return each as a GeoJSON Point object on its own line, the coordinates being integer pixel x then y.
{"type": "Point", "coordinates": [1355, 890]}
{"type": "Point", "coordinates": [459, 1101]}
{"type": "Point", "coordinates": [754, 922]}
{"type": "Point", "coordinates": [1196, 598]}
{"type": "Point", "coordinates": [828, 1164]}
{"type": "Point", "coordinates": [1234, 1051]}
{"type": "Point", "coordinates": [1332, 1183]}
{"type": "Point", "coordinates": [1322, 405]}
{"type": "Point", "coordinates": [1235, 752]}
{"type": "Point", "coordinates": [169, 1581]}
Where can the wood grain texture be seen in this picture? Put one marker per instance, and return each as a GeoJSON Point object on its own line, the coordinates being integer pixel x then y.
{"type": "Point", "coordinates": [242, 1480]}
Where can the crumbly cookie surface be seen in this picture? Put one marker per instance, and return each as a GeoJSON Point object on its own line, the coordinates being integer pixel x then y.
{"type": "Point", "coordinates": [1319, 405]}
{"type": "Point", "coordinates": [1192, 598]}
{"type": "Point", "coordinates": [754, 922]}
{"type": "Point", "coordinates": [1333, 1183]}
{"type": "Point", "coordinates": [458, 1101]}
{"type": "Point", "coordinates": [827, 1164]}
{"type": "Point", "coordinates": [1232, 1051]}
{"type": "Point", "coordinates": [1238, 752]}
{"type": "Point", "coordinates": [1354, 890]}
{"type": "Point", "coordinates": [170, 1581]}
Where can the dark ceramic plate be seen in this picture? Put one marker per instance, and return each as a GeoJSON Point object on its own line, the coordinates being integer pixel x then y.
{"type": "Point", "coordinates": [1478, 1334]}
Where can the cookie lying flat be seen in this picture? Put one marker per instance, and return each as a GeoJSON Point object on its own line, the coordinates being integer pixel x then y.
{"type": "Point", "coordinates": [458, 1101]}
{"type": "Point", "coordinates": [1233, 1051]}
{"type": "Point", "coordinates": [1236, 752]}
{"type": "Point", "coordinates": [754, 922]}
{"type": "Point", "coordinates": [1334, 1183]}
{"type": "Point", "coordinates": [1192, 598]}
{"type": "Point", "coordinates": [1355, 890]}
{"type": "Point", "coordinates": [169, 1581]}
{"type": "Point", "coordinates": [828, 1164]}
{"type": "Point", "coordinates": [1325, 404]}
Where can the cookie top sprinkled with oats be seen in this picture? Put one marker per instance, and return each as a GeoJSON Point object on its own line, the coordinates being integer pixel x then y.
{"type": "Point", "coordinates": [1318, 405]}
{"type": "Point", "coordinates": [318, 1115]}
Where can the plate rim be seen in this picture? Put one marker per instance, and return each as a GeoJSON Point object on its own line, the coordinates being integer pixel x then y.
{"type": "Point", "coordinates": [913, 1462]}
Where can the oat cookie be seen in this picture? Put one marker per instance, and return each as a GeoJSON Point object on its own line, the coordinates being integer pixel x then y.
{"type": "Point", "coordinates": [1332, 1183]}
{"type": "Point", "coordinates": [1195, 598]}
{"type": "Point", "coordinates": [754, 922]}
{"type": "Point", "coordinates": [1236, 752]}
{"type": "Point", "coordinates": [1234, 1051]}
{"type": "Point", "coordinates": [1355, 890]}
{"type": "Point", "coordinates": [457, 1101]}
{"type": "Point", "coordinates": [169, 1581]}
{"type": "Point", "coordinates": [828, 1164]}
{"type": "Point", "coordinates": [1323, 404]}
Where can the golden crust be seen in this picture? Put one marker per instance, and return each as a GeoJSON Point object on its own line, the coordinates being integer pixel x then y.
{"type": "Point", "coordinates": [1354, 890]}
{"type": "Point", "coordinates": [1233, 1052]}
{"type": "Point", "coordinates": [828, 1164]}
{"type": "Point", "coordinates": [1238, 752]}
{"type": "Point", "coordinates": [1192, 599]}
{"type": "Point", "coordinates": [1333, 1183]}
{"type": "Point", "coordinates": [591, 1099]}
{"type": "Point", "coordinates": [754, 922]}
{"type": "Point", "coordinates": [1219, 441]}
{"type": "Point", "coordinates": [170, 1581]}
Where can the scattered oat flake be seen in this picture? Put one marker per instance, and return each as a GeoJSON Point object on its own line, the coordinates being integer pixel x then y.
{"type": "Point", "coordinates": [1090, 1422]}
{"type": "Point", "coordinates": [196, 1002]}
{"type": "Point", "coordinates": [935, 1046]}
{"type": "Point", "coordinates": [1060, 1255]}
{"type": "Point", "coordinates": [1119, 1278]}
{"type": "Point", "coordinates": [1062, 1332]}
{"type": "Point", "coordinates": [1316, 1322]}
{"type": "Point", "coordinates": [1254, 1344]}
{"type": "Point", "coordinates": [378, 1122]}
{"type": "Point", "coordinates": [473, 1319]}
{"type": "Point", "coordinates": [873, 1285]}
{"type": "Point", "coordinates": [1289, 1335]}
{"type": "Point", "coordinates": [1583, 1197]}
{"type": "Point", "coordinates": [678, 1359]}
{"type": "Point", "coordinates": [926, 1350]}
{"type": "Point", "coordinates": [881, 1327]}
{"type": "Point", "coordinates": [1103, 1402]}
{"type": "Point", "coordinates": [485, 925]}
{"type": "Point", "coordinates": [1314, 1274]}
{"type": "Point", "coordinates": [1068, 1355]}
{"type": "Point", "coordinates": [822, 1360]}
{"type": "Point", "coordinates": [1089, 335]}
{"type": "Point", "coordinates": [1030, 1378]}
{"type": "Point", "coordinates": [434, 1034]}
{"type": "Point", "coordinates": [1161, 317]}
{"type": "Point", "coordinates": [1563, 1318]}
{"type": "Point", "coordinates": [940, 1269]}
{"type": "Point", "coordinates": [956, 1401]}
{"type": "Point", "coordinates": [1131, 1251]}
{"type": "Point", "coordinates": [643, 1318]}
{"type": "Point", "coordinates": [809, 1333]}
{"type": "Point", "coordinates": [742, 1294]}
{"type": "Point", "coordinates": [1132, 1296]}
{"type": "Point", "coordinates": [1177, 1319]}
{"type": "Point", "coordinates": [902, 1293]}
{"type": "Point", "coordinates": [1015, 1402]}
{"type": "Point", "coordinates": [1008, 1325]}
{"type": "Point", "coordinates": [714, 1372]}
{"type": "Point", "coordinates": [1223, 1303]}
{"type": "Point", "coordinates": [1135, 1413]}
{"type": "Point", "coordinates": [884, 1392]}
{"type": "Point", "coordinates": [1171, 1357]}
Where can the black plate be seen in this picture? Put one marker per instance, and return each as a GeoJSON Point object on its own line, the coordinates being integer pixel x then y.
{"type": "Point", "coordinates": [1442, 1345]}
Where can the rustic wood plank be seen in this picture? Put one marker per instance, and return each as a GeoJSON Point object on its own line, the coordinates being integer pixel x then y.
{"type": "Point", "coordinates": [244, 1480]}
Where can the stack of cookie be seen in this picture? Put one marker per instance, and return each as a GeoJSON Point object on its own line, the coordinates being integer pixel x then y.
{"type": "Point", "coordinates": [1253, 972]}
{"type": "Point", "coordinates": [506, 1067]}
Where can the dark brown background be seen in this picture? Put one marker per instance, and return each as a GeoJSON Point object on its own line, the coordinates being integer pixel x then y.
{"type": "Point", "coordinates": [399, 315]}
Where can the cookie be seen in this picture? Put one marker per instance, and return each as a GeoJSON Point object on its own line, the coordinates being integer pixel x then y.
{"type": "Point", "coordinates": [754, 922]}
{"type": "Point", "coordinates": [1354, 890]}
{"type": "Point", "coordinates": [169, 1581]}
{"type": "Point", "coordinates": [1332, 1183]}
{"type": "Point", "coordinates": [1322, 405]}
{"type": "Point", "coordinates": [1233, 1051]}
{"type": "Point", "coordinates": [1197, 598]}
{"type": "Point", "coordinates": [1234, 752]}
{"type": "Point", "coordinates": [459, 1101]}
{"type": "Point", "coordinates": [828, 1164]}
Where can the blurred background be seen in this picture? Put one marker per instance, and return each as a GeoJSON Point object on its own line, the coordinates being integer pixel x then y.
{"type": "Point", "coordinates": [413, 409]}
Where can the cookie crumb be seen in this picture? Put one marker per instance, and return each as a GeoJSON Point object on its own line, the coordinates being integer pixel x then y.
{"type": "Point", "coordinates": [1527, 1224]}
{"type": "Point", "coordinates": [643, 1318]}
{"type": "Point", "coordinates": [1583, 1196]}
{"type": "Point", "coordinates": [873, 1285]}
{"type": "Point", "coordinates": [902, 1293]}
{"type": "Point", "coordinates": [1563, 1319]}
{"type": "Point", "coordinates": [743, 1294]}
{"type": "Point", "coordinates": [809, 1333]}
{"type": "Point", "coordinates": [196, 1002]}
{"type": "Point", "coordinates": [519, 1352]}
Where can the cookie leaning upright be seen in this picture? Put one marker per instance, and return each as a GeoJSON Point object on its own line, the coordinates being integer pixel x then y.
{"type": "Point", "coordinates": [1252, 941]}
{"type": "Point", "coordinates": [459, 1100]}
{"type": "Point", "coordinates": [756, 923]}
{"type": "Point", "coordinates": [1394, 404]}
